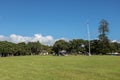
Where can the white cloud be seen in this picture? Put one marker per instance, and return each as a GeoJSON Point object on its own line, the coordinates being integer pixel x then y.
{"type": "Point", "coordinates": [65, 39]}
{"type": "Point", "coordinates": [3, 38]}
{"type": "Point", "coordinates": [115, 41]}
{"type": "Point", "coordinates": [46, 40]}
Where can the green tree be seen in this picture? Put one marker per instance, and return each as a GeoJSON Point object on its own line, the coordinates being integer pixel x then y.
{"type": "Point", "coordinates": [35, 47]}
{"type": "Point", "coordinates": [95, 47]}
{"type": "Point", "coordinates": [116, 47]}
{"type": "Point", "coordinates": [21, 49]}
{"type": "Point", "coordinates": [104, 41]}
{"type": "Point", "coordinates": [103, 30]}
{"type": "Point", "coordinates": [6, 48]}
{"type": "Point", "coordinates": [77, 46]}
{"type": "Point", "coordinates": [113, 48]}
{"type": "Point", "coordinates": [60, 45]}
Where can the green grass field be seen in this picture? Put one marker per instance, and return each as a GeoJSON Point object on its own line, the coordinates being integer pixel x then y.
{"type": "Point", "coordinates": [60, 68]}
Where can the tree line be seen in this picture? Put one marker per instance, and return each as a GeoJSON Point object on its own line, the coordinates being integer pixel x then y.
{"type": "Point", "coordinates": [31, 48]}
{"type": "Point", "coordinates": [80, 46]}
{"type": "Point", "coordinates": [73, 47]}
{"type": "Point", "coordinates": [101, 46]}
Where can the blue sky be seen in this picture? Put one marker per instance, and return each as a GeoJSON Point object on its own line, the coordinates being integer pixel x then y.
{"type": "Point", "coordinates": [59, 18]}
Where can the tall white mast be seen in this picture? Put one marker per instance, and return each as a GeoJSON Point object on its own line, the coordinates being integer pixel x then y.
{"type": "Point", "coordinates": [88, 31]}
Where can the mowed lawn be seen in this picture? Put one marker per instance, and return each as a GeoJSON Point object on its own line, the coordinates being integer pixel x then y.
{"type": "Point", "coordinates": [60, 68]}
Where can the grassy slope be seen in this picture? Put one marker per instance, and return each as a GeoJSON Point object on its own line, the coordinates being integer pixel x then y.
{"type": "Point", "coordinates": [60, 68]}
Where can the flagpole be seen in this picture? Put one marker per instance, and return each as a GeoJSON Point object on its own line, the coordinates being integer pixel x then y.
{"type": "Point", "coordinates": [88, 31]}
